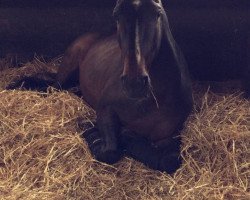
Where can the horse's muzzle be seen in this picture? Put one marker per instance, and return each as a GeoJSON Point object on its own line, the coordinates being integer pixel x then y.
{"type": "Point", "coordinates": [136, 88]}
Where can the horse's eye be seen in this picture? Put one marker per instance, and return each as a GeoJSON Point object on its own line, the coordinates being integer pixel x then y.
{"type": "Point", "coordinates": [158, 14]}
{"type": "Point", "coordinates": [156, 2]}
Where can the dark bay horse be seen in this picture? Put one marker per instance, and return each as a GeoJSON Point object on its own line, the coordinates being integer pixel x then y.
{"type": "Point", "coordinates": [138, 85]}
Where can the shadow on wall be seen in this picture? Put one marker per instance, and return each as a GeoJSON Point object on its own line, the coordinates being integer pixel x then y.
{"type": "Point", "coordinates": [48, 27]}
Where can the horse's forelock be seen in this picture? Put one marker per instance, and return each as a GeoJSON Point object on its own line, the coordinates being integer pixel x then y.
{"type": "Point", "coordinates": [136, 3]}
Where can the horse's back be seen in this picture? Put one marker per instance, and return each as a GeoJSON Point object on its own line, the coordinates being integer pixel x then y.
{"type": "Point", "coordinates": [69, 69]}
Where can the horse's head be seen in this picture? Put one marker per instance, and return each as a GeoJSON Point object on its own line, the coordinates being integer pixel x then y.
{"type": "Point", "coordinates": [139, 35]}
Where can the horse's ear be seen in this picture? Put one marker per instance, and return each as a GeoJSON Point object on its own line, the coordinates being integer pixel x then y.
{"type": "Point", "coordinates": [117, 5]}
{"type": "Point", "coordinates": [157, 2]}
{"type": "Point", "coordinates": [118, 2]}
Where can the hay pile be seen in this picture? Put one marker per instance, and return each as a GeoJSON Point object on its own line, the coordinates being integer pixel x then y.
{"type": "Point", "coordinates": [42, 155]}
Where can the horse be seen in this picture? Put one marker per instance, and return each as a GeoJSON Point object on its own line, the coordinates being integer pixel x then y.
{"type": "Point", "coordinates": [138, 83]}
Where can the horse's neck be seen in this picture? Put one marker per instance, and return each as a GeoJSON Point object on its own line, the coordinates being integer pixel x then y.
{"type": "Point", "coordinates": [165, 72]}
{"type": "Point", "coordinates": [168, 44]}
{"type": "Point", "coordinates": [166, 61]}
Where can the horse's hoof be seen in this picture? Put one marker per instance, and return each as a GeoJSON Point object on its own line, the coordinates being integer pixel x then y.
{"type": "Point", "coordinates": [110, 157]}
{"type": "Point", "coordinates": [98, 148]}
{"type": "Point", "coordinates": [169, 162]}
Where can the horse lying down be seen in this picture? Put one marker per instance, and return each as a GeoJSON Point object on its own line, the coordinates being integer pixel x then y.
{"type": "Point", "coordinates": [138, 85]}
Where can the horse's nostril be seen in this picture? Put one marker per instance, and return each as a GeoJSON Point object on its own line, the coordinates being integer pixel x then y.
{"type": "Point", "coordinates": [138, 81]}
{"type": "Point", "coordinates": [135, 87]}
{"type": "Point", "coordinates": [123, 79]}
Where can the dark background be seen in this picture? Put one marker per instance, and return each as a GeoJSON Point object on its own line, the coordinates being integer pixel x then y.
{"type": "Point", "coordinates": [111, 3]}
{"type": "Point", "coordinates": [212, 33]}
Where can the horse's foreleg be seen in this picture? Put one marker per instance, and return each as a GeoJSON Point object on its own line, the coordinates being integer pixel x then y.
{"type": "Point", "coordinates": [163, 159]}
{"type": "Point", "coordinates": [103, 139]}
{"type": "Point", "coordinates": [39, 81]}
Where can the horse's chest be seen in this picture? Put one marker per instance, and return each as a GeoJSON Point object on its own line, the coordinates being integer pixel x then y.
{"type": "Point", "coordinates": [147, 125]}
{"type": "Point", "coordinates": [145, 119]}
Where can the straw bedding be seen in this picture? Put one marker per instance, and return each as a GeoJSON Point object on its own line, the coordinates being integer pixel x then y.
{"type": "Point", "coordinates": [43, 156]}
